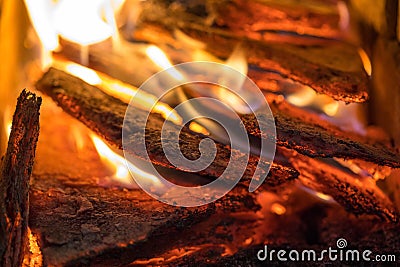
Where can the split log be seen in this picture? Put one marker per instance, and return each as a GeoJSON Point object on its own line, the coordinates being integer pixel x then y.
{"type": "Point", "coordinates": [310, 135]}
{"type": "Point", "coordinates": [104, 58]}
{"type": "Point", "coordinates": [361, 233]}
{"type": "Point", "coordinates": [253, 19]}
{"type": "Point", "coordinates": [15, 172]}
{"type": "Point", "coordinates": [105, 115]}
{"type": "Point", "coordinates": [78, 221]}
{"type": "Point", "coordinates": [358, 195]}
{"type": "Point", "coordinates": [332, 68]}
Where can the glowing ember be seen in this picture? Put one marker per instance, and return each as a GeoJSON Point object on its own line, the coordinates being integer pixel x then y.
{"type": "Point", "coordinates": [366, 61]}
{"type": "Point", "coordinates": [120, 166]}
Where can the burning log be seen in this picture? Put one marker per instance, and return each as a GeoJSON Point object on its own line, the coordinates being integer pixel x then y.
{"type": "Point", "coordinates": [310, 135]}
{"type": "Point", "coordinates": [105, 115]}
{"type": "Point", "coordinates": [358, 195]}
{"type": "Point", "coordinates": [331, 68]}
{"type": "Point", "coordinates": [77, 220]}
{"type": "Point", "coordinates": [15, 172]}
{"type": "Point", "coordinates": [253, 19]}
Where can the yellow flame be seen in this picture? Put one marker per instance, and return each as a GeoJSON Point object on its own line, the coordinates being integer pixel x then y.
{"type": "Point", "coordinates": [304, 97]}
{"type": "Point", "coordinates": [278, 209]}
{"type": "Point", "coordinates": [307, 97]}
{"type": "Point", "coordinates": [8, 122]}
{"type": "Point", "coordinates": [323, 196]}
{"type": "Point", "coordinates": [118, 89]}
{"type": "Point", "coordinates": [331, 109]}
{"type": "Point", "coordinates": [35, 255]}
{"type": "Point", "coordinates": [162, 61]}
{"type": "Point", "coordinates": [120, 165]}
{"type": "Point", "coordinates": [86, 74]}
{"type": "Point", "coordinates": [195, 127]}
{"type": "Point", "coordinates": [81, 21]}
{"type": "Point", "coordinates": [366, 61]}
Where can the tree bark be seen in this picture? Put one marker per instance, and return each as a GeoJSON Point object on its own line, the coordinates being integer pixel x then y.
{"type": "Point", "coordinates": [15, 175]}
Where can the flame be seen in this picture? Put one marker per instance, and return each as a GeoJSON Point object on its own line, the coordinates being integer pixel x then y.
{"type": "Point", "coordinates": [118, 89]}
{"type": "Point", "coordinates": [162, 61]}
{"type": "Point", "coordinates": [278, 209]}
{"type": "Point", "coordinates": [120, 166]}
{"type": "Point", "coordinates": [366, 61]}
{"type": "Point", "coordinates": [307, 97]}
{"type": "Point", "coordinates": [35, 257]}
{"type": "Point", "coordinates": [86, 74]}
{"type": "Point", "coordinates": [323, 196]}
{"type": "Point", "coordinates": [81, 22]}
{"type": "Point", "coordinates": [344, 15]}
{"type": "Point", "coordinates": [8, 122]}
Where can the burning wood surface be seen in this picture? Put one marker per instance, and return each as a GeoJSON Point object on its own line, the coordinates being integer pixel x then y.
{"type": "Point", "coordinates": [15, 172]}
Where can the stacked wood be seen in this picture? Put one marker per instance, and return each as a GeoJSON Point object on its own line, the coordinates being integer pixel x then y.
{"type": "Point", "coordinates": [296, 128]}
{"type": "Point", "coordinates": [313, 136]}
{"type": "Point", "coordinates": [105, 115]}
{"type": "Point", "coordinates": [330, 67]}
{"type": "Point", "coordinates": [15, 172]}
{"type": "Point", "coordinates": [79, 219]}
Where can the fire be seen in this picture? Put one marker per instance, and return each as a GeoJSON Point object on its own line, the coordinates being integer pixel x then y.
{"type": "Point", "coordinates": [81, 22]}
{"type": "Point", "coordinates": [120, 166]}
{"type": "Point", "coordinates": [8, 122]}
{"type": "Point", "coordinates": [35, 257]}
{"type": "Point", "coordinates": [278, 209]}
{"type": "Point", "coordinates": [366, 61]}
{"type": "Point", "coordinates": [307, 97]}
{"type": "Point", "coordinates": [119, 89]}
{"type": "Point", "coordinates": [162, 61]}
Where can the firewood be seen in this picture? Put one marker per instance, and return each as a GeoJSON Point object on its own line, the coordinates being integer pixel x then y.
{"type": "Point", "coordinates": [104, 58]}
{"type": "Point", "coordinates": [253, 19]}
{"type": "Point", "coordinates": [15, 172]}
{"type": "Point", "coordinates": [105, 115]}
{"type": "Point", "coordinates": [359, 195]}
{"type": "Point", "coordinates": [310, 135]}
{"type": "Point", "coordinates": [332, 68]}
{"type": "Point", "coordinates": [78, 219]}
{"type": "Point", "coordinates": [361, 233]}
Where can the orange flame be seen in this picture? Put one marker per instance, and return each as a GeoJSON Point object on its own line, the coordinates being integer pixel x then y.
{"type": "Point", "coordinates": [366, 61]}
{"type": "Point", "coordinates": [119, 89]}
{"type": "Point", "coordinates": [120, 166]}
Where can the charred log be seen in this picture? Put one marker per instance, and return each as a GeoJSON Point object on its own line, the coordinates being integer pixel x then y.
{"type": "Point", "coordinates": [105, 116]}
{"type": "Point", "coordinates": [15, 172]}
{"type": "Point", "coordinates": [310, 135]}
{"type": "Point", "coordinates": [331, 68]}
{"type": "Point", "coordinates": [358, 195]}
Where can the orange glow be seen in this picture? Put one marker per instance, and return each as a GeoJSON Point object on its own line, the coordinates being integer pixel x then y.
{"type": "Point", "coordinates": [278, 209]}
{"type": "Point", "coordinates": [366, 61]}
{"type": "Point", "coordinates": [120, 166]}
